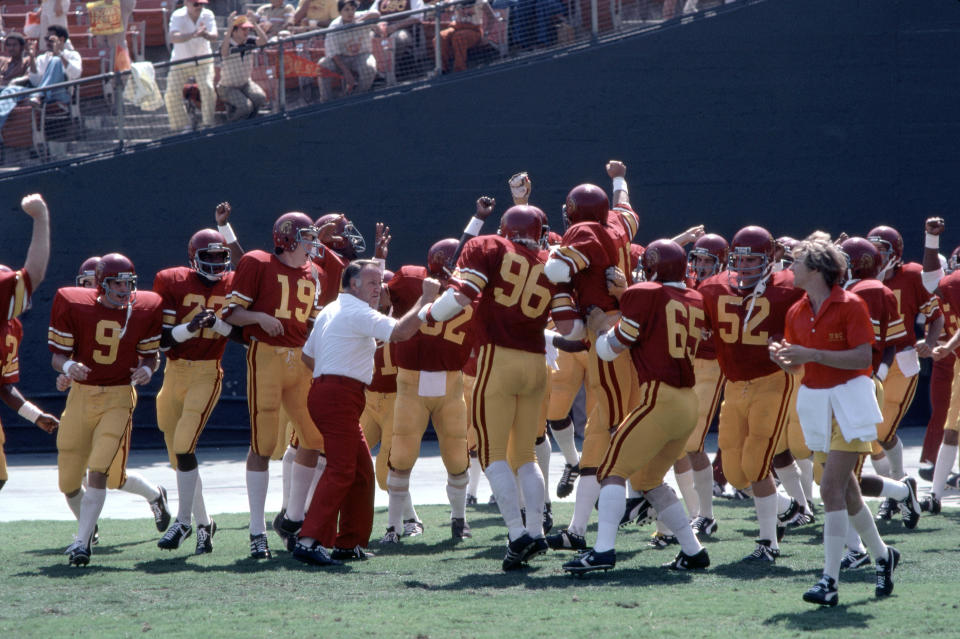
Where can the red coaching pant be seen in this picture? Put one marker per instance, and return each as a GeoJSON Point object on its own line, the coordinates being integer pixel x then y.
{"type": "Point", "coordinates": [344, 494]}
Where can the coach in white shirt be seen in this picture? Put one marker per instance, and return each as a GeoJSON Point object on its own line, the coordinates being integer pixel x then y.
{"type": "Point", "coordinates": [340, 351]}
{"type": "Point", "coordinates": [192, 29]}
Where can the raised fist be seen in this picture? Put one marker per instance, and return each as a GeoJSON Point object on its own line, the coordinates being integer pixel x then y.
{"type": "Point", "coordinates": [520, 187]}
{"type": "Point", "coordinates": [485, 206]}
{"type": "Point", "coordinates": [34, 206]}
{"type": "Point", "coordinates": [430, 289]}
{"type": "Point", "coordinates": [935, 225]}
{"type": "Point", "coordinates": [222, 213]}
{"type": "Point", "coordinates": [616, 168]}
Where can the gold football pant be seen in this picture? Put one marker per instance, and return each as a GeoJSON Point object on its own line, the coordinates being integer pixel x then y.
{"type": "Point", "coordinates": [898, 392]}
{"type": "Point", "coordinates": [708, 389]}
{"type": "Point", "coordinates": [611, 383]}
{"type": "Point", "coordinates": [277, 377]}
{"type": "Point", "coordinates": [377, 424]}
{"type": "Point", "coordinates": [953, 413]}
{"type": "Point", "coordinates": [469, 382]}
{"type": "Point", "coordinates": [3, 457]}
{"type": "Point", "coordinates": [565, 383]}
{"type": "Point", "coordinates": [412, 413]}
{"type": "Point", "coordinates": [189, 394]}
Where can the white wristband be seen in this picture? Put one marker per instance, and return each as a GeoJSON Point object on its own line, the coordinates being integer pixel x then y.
{"type": "Point", "coordinates": [932, 241]}
{"type": "Point", "coordinates": [29, 412]}
{"type": "Point", "coordinates": [182, 333]}
{"type": "Point", "coordinates": [620, 184]}
{"type": "Point", "coordinates": [473, 228]}
{"type": "Point", "coordinates": [222, 327]}
{"type": "Point", "coordinates": [882, 371]}
{"type": "Point", "coordinates": [227, 232]}
{"type": "Point", "coordinates": [67, 365]}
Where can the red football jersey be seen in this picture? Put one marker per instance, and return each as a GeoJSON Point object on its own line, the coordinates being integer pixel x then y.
{"type": "Point", "coordinates": [11, 334]}
{"type": "Point", "coordinates": [384, 369]}
{"type": "Point", "coordinates": [741, 341]}
{"type": "Point", "coordinates": [331, 267]}
{"type": "Point", "coordinates": [949, 289]}
{"type": "Point", "coordinates": [15, 291]}
{"type": "Point", "coordinates": [184, 294]}
{"type": "Point", "coordinates": [437, 346]}
{"type": "Point", "coordinates": [662, 326]}
{"type": "Point", "coordinates": [706, 349]}
{"type": "Point", "coordinates": [913, 299]}
{"type": "Point", "coordinates": [517, 297]}
{"type": "Point", "coordinates": [263, 283]}
{"type": "Point", "coordinates": [882, 305]}
{"type": "Point", "coordinates": [110, 341]}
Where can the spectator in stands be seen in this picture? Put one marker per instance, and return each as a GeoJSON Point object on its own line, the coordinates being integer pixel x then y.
{"type": "Point", "coordinates": [349, 52]}
{"type": "Point", "coordinates": [315, 14]}
{"type": "Point", "coordinates": [275, 17]}
{"type": "Point", "coordinates": [236, 89]}
{"type": "Point", "coordinates": [399, 31]}
{"type": "Point", "coordinates": [463, 33]}
{"type": "Point", "coordinates": [53, 12]}
{"type": "Point", "coordinates": [13, 64]}
{"type": "Point", "coordinates": [57, 64]}
{"type": "Point", "coordinates": [192, 29]}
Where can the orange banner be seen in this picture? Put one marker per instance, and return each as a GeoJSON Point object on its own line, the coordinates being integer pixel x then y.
{"type": "Point", "coordinates": [105, 18]}
{"type": "Point", "coordinates": [295, 66]}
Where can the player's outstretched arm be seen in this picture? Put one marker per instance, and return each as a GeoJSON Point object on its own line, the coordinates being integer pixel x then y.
{"type": "Point", "coordinates": [222, 215]}
{"type": "Point", "coordinates": [38, 255]}
{"type": "Point", "coordinates": [10, 395]}
{"type": "Point", "coordinates": [932, 271]}
{"type": "Point", "coordinates": [409, 324]}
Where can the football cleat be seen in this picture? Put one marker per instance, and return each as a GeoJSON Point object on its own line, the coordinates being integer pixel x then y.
{"type": "Point", "coordinates": [590, 560]}
{"type": "Point", "coordinates": [930, 504]}
{"type": "Point", "coordinates": [538, 547]}
{"type": "Point", "coordinates": [683, 561]}
{"type": "Point", "coordinates": [763, 553]}
{"type": "Point", "coordinates": [412, 528]}
{"type": "Point", "coordinates": [517, 552]}
{"type": "Point", "coordinates": [791, 513]}
{"type": "Point", "coordinates": [390, 537]}
{"type": "Point", "coordinates": [205, 538]}
{"type": "Point", "coordinates": [459, 528]}
{"type": "Point", "coordinates": [854, 559]}
{"type": "Point", "coordinates": [823, 593]}
{"type": "Point", "coordinates": [349, 554]}
{"type": "Point", "coordinates": [704, 526]}
{"type": "Point", "coordinates": [288, 531]}
{"type": "Point", "coordinates": [637, 509]}
{"type": "Point", "coordinates": [802, 519]}
{"type": "Point", "coordinates": [910, 507]}
{"type": "Point", "coordinates": [885, 568]}
{"type": "Point", "coordinates": [175, 534]}
{"type": "Point", "coordinates": [567, 480]}
{"type": "Point", "coordinates": [717, 489]}
{"type": "Point", "coordinates": [661, 541]}
{"type": "Point", "coordinates": [278, 519]}
{"type": "Point", "coordinates": [315, 555]}
{"type": "Point", "coordinates": [887, 507]}
{"type": "Point", "coordinates": [78, 553]}
{"type": "Point", "coordinates": [472, 500]}
{"type": "Point", "coordinates": [161, 514]}
{"type": "Point", "coordinates": [547, 517]}
{"type": "Point", "coordinates": [492, 501]}
{"type": "Point", "coordinates": [926, 473]}
{"type": "Point", "coordinates": [953, 481]}
{"type": "Point", "coordinates": [566, 540]}
{"type": "Point", "coordinates": [259, 548]}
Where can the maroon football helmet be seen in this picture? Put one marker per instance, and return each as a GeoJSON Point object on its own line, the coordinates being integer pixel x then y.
{"type": "Point", "coordinates": [87, 275]}
{"type": "Point", "coordinates": [349, 243]}
{"type": "Point", "coordinates": [440, 258]}
{"type": "Point", "coordinates": [708, 256]}
{"type": "Point", "coordinates": [208, 254]}
{"type": "Point", "coordinates": [664, 261]}
{"type": "Point", "coordinates": [586, 203]}
{"type": "Point", "coordinates": [751, 257]}
{"type": "Point", "coordinates": [288, 233]}
{"type": "Point", "coordinates": [523, 224]}
{"type": "Point", "coordinates": [889, 242]}
{"type": "Point", "coordinates": [953, 262]}
{"type": "Point", "coordinates": [113, 269]}
{"type": "Point", "coordinates": [544, 229]}
{"type": "Point", "coordinates": [863, 258]}
{"type": "Point", "coordinates": [786, 244]}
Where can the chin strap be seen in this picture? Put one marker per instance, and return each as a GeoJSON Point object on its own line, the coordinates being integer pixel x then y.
{"type": "Point", "coordinates": [758, 291]}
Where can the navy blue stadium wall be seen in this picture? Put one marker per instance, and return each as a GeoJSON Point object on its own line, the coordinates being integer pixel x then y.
{"type": "Point", "coordinates": [794, 114]}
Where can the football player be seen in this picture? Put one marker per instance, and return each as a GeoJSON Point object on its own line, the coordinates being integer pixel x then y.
{"type": "Point", "coordinates": [194, 339]}
{"type": "Point", "coordinates": [106, 341]}
{"type": "Point", "coordinates": [745, 308]}
{"type": "Point", "coordinates": [505, 272]}
{"type": "Point", "coordinates": [274, 299]}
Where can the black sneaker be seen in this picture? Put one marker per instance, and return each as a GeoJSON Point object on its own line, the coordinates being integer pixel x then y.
{"type": "Point", "coordinates": [288, 531]}
{"type": "Point", "coordinates": [930, 504]}
{"type": "Point", "coordinates": [763, 553]}
{"type": "Point", "coordinates": [205, 538]}
{"type": "Point", "coordinates": [637, 509]}
{"type": "Point", "coordinates": [349, 554]}
{"type": "Point", "coordinates": [161, 514]}
{"type": "Point", "coordinates": [460, 529]}
{"type": "Point", "coordinates": [854, 559]}
{"type": "Point", "coordinates": [887, 507]}
{"type": "Point", "coordinates": [412, 527]}
{"type": "Point", "coordinates": [590, 560]}
{"type": "Point", "coordinates": [823, 593]}
{"type": "Point", "coordinates": [568, 478]}
{"type": "Point", "coordinates": [538, 547]}
{"type": "Point", "coordinates": [315, 555]}
{"type": "Point", "coordinates": [910, 507]}
{"type": "Point", "coordinates": [259, 548]}
{"type": "Point", "coordinates": [175, 534]}
{"type": "Point", "coordinates": [78, 553]}
{"type": "Point", "coordinates": [547, 518]}
{"type": "Point", "coordinates": [953, 481]}
{"type": "Point", "coordinates": [391, 537]}
{"type": "Point", "coordinates": [885, 568]}
{"type": "Point", "coordinates": [278, 519]}
{"type": "Point", "coordinates": [926, 472]}
{"type": "Point", "coordinates": [471, 500]}
{"type": "Point", "coordinates": [683, 561]}
{"type": "Point", "coordinates": [661, 541]}
{"type": "Point", "coordinates": [517, 551]}
{"type": "Point", "coordinates": [566, 540]}
{"type": "Point", "coordinates": [704, 526]}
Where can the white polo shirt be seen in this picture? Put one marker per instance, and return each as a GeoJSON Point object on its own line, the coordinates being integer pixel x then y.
{"type": "Point", "coordinates": [194, 47]}
{"type": "Point", "coordinates": [344, 338]}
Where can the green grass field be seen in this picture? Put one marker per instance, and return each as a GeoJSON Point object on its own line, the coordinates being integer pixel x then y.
{"type": "Point", "coordinates": [431, 587]}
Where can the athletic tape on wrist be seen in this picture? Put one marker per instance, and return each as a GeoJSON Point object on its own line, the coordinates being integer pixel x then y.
{"type": "Point", "coordinates": [29, 412]}
{"type": "Point", "coordinates": [182, 332]}
{"type": "Point", "coordinates": [67, 365]}
{"type": "Point", "coordinates": [620, 184]}
{"type": "Point", "coordinates": [931, 241]}
{"type": "Point", "coordinates": [227, 232]}
{"type": "Point", "coordinates": [473, 228]}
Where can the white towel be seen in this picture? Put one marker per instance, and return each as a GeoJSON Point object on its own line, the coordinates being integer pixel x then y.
{"type": "Point", "coordinates": [908, 361]}
{"type": "Point", "coordinates": [853, 405]}
{"type": "Point", "coordinates": [142, 89]}
{"type": "Point", "coordinates": [432, 384]}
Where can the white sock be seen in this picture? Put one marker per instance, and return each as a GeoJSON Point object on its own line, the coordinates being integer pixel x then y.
{"type": "Point", "coordinates": [409, 512]}
{"type": "Point", "coordinates": [544, 450]}
{"type": "Point", "coordinates": [186, 492]}
{"type": "Point", "coordinates": [199, 506]}
{"type": "Point", "coordinates": [894, 488]}
{"type": "Point", "coordinates": [456, 494]}
{"type": "Point", "coordinates": [612, 503]}
{"type": "Point", "coordinates": [688, 491]}
{"type": "Point", "coordinates": [301, 477]}
{"type": "Point", "coordinates": [317, 474]}
{"type": "Point", "coordinates": [567, 444]}
{"type": "Point", "coordinates": [946, 457]}
{"type": "Point", "coordinates": [806, 477]}
{"type": "Point", "coordinates": [398, 491]}
{"type": "Point", "coordinates": [75, 502]}
{"type": "Point", "coordinates": [834, 536]}
{"type": "Point", "coordinates": [662, 527]}
{"type": "Point", "coordinates": [790, 478]}
{"type": "Point", "coordinates": [675, 517]}
{"type": "Point", "coordinates": [703, 483]}
{"type": "Point", "coordinates": [286, 473]}
{"type": "Point", "coordinates": [475, 472]}
{"type": "Point", "coordinates": [138, 485]}
{"type": "Point", "coordinates": [867, 528]}
{"type": "Point", "coordinates": [895, 455]}
{"type": "Point", "coordinates": [532, 488]}
{"type": "Point", "coordinates": [90, 512]}
{"type": "Point", "coordinates": [853, 538]}
{"type": "Point", "coordinates": [257, 483]}
{"type": "Point", "coordinates": [767, 518]}
{"type": "Point", "coordinates": [504, 486]}
{"type": "Point", "coordinates": [588, 490]}
{"type": "Point", "coordinates": [783, 503]}
{"type": "Point", "coordinates": [881, 466]}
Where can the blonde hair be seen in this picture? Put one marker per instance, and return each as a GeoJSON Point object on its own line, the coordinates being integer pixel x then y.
{"type": "Point", "coordinates": [818, 253]}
